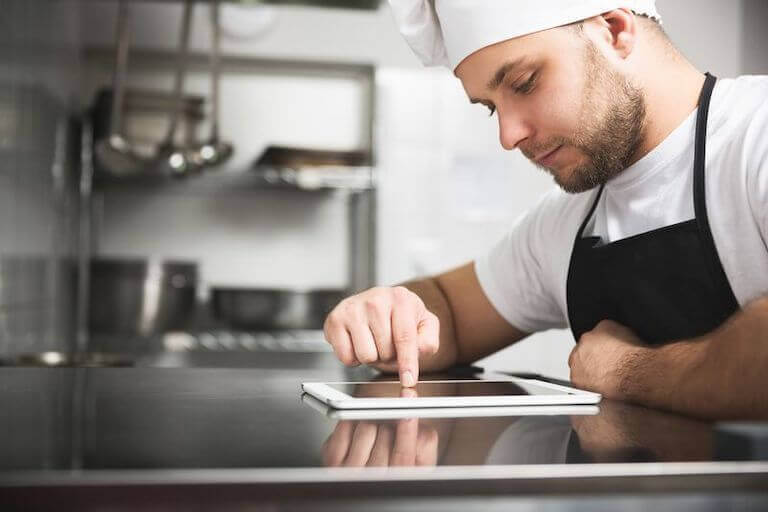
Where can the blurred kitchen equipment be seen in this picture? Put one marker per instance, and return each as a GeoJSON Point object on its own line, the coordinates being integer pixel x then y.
{"type": "Point", "coordinates": [141, 298]}
{"type": "Point", "coordinates": [114, 153]}
{"type": "Point", "coordinates": [265, 309]}
{"type": "Point", "coordinates": [296, 158]}
{"type": "Point", "coordinates": [145, 118]}
{"type": "Point", "coordinates": [312, 169]}
{"type": "Point", "coordinates": [214, 151]}
{"type": "Point", "coordinates": [173, 159]}
{"type": "Point", "coordinates": [54, 359]}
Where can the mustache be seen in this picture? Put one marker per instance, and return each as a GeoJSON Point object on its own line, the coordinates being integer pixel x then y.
{"type": "Point", "coordinates": [532, 150]}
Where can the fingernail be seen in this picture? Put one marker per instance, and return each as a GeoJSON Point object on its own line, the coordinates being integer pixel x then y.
{"type": "Point", "coordinates": [408, 380]}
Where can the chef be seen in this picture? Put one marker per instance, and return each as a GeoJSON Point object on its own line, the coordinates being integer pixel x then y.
{"type": "Point", "coordinates": [653, 249]}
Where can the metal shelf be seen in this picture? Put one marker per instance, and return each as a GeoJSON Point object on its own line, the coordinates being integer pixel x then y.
{"type": "Point", "coordinates": [321, 179]}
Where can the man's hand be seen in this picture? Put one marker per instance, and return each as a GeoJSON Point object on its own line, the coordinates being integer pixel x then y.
{"type": "Point", "coordinates": [604, 357]}
{"type": "Point", "coordinates": [384, 326]}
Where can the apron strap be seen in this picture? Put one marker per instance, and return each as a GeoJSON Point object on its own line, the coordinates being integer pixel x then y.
{"type": "Point", "coordinates": [700, 147]}
{"type": "Point", "coordinates": [592, 209]}
{"type": "Point", "coordinates": [699, 191]}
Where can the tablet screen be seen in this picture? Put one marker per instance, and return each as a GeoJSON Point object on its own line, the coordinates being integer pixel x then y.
{"type": "Point", "coordinates": [436, 389]}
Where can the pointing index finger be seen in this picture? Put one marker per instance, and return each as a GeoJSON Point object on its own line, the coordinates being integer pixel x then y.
{"type": "Point", "coordinates": [406, 345]}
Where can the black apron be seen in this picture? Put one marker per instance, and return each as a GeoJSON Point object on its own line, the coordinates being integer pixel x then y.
{"type": "Point", "coordinates": [666, 284]}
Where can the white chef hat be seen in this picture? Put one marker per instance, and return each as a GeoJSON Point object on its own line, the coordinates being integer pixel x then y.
{"type": "Point", "coordinates": [444, 32]}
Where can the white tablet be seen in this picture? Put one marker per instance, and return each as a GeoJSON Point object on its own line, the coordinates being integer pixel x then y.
{"type": "Point", "coordinates": [447, 412]}
{"type": "Point", "coordinates": [492, 390]}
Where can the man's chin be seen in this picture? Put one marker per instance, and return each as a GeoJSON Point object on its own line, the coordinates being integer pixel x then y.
{"type": "Point", "coordinates": [573, 180]}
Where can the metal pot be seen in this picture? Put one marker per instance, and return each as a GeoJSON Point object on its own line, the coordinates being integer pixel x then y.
{"type": "Point", "coordinates": [267, 309]}
{"type": "Point", "coordinates": [138, 297]}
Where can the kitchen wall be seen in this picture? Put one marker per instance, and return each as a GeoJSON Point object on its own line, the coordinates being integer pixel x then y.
{"type": "Point", "coordinates": [447, 190]}
{"type": "Point", "coordinates": [39, 77]}
{"type": "Point", "coordinates": [754, 16]}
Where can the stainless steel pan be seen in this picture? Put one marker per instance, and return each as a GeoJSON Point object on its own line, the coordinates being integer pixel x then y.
{"type": "Point", "coordinates": [270, 309]}
{"type": "Point", "coordinates": [139, 297]}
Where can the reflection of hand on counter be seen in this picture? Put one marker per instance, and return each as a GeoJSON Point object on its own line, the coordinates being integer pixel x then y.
{"type": "Point", "coordinates": [622, 431]}
{"type": "Point", "coordinates": [406, 442]}
{"type": "Point", "coordinates": [419, 441]}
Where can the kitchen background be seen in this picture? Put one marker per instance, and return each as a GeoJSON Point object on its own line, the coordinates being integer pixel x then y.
{"type": "Point", "coordinates": [443, 192]}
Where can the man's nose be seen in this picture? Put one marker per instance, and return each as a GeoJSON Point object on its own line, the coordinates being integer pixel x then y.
{"type": "Point", "coordinates": [513, 129]}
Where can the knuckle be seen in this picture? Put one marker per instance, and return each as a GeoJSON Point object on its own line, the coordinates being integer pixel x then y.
{"type": "Point", "coordinates": [331, 321]}
{"type": "Point", "coordinates": [386, 350]}
{"type": "Point", "coordinates": [573, 357]}
{"type": "Point", "coordinates": [401, 294]}
{"type": "Point", "coordinates": [374, 306]}
{"type": "Point", "coordinates": [604, 325]}
{"type": "Point", "coordinates": [403, 336]}
{"type": "Point", "coordinates": [367, 357]}
{"type": "Point", "coordinates": [349, 307]}
{"type": "Point", "coordinates": [427, 346]}
{"type": "Point", "coordinates": [346, 356]}
{"type": "Point", "coordinates": [348, 360]}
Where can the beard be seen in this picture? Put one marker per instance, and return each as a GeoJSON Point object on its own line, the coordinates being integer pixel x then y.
{"type": "Point", "coordinates": [609, 136]}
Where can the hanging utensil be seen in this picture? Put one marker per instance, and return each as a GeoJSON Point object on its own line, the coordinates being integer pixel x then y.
{"type": "Point", "coordinates": [173, 159]}
{"type": "Point", "coordinates": [115, 154]}
{"type": "Point", "coordinates": [214, 151]}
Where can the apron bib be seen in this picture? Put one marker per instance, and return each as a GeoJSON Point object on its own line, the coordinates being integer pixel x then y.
{"type": "Point", "coordinates": [666, 284]}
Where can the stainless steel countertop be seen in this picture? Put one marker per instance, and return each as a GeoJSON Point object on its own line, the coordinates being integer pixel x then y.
{"type": "Point", "coordinates": [74, 431]}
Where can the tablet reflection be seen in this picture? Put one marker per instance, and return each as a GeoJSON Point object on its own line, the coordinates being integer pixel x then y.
{"type": "Point", "coordinates": [405, 442]}
{"type": "Point", "coordinates": [619, 433]}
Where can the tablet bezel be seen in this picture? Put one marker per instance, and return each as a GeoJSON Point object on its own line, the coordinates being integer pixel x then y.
{"type": "Point", "coordinates": [340, 400]}
{"type": "Point", "coordinates": [447, 412]}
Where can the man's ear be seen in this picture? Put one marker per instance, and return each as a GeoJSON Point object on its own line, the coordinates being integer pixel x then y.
{"type": "Point", "coordinates": [617, 29]}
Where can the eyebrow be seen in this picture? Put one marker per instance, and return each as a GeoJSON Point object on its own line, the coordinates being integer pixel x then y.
{"type": "Point", "coordinates": [500, 75]}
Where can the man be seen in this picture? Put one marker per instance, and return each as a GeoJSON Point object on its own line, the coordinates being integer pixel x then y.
{"type": "Point", "coordinates": [654, 251]}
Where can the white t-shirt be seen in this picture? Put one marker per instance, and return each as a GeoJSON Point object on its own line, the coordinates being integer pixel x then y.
{"type": "Point", "coordinates": [524, 275]}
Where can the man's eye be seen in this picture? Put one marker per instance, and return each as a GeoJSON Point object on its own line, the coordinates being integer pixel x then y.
{"type": "Point", "coordinates": [527, 87]}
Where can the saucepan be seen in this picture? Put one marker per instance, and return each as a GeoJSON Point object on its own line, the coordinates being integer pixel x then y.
{"type": "Point", "coordinates": [272, 309]}
{"type": "Point", "coordinates": [141, 297]}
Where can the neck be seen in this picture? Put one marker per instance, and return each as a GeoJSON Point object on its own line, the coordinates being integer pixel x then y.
{"type": "Point", "coordinates": [671, 91]}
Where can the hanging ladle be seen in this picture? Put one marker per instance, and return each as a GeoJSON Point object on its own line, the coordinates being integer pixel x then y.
{"type": "Point", "coordinates": [115, 154]}
{"type": "Point", "coordinates": [214, 151]}
{"type": "Point", "coordinates": [172, 159]}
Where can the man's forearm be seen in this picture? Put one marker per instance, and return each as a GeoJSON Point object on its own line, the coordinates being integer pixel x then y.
{"type": "Point", "coordinates": [434, 299]}
{"type": "Point", "coordinates": [723, 374]}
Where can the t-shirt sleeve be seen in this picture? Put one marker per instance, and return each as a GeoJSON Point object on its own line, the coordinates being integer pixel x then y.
{"type": "Point", "coordinates": [518, 277]}
{"type": "Point", "coordinates": [756, 145]}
